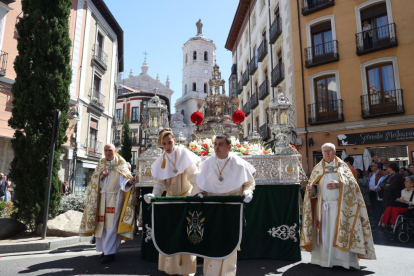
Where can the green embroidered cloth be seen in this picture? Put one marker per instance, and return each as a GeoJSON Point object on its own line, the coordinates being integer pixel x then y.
{"type": "Point", "coordinates": [209, 227]}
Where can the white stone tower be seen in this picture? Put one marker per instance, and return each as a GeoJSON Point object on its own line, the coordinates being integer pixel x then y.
{"type": "Point", "coordinates": [198, 61]}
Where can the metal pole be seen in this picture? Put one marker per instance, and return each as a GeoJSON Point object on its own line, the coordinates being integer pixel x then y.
{"type": "Point", "coordinates": [55, 130]}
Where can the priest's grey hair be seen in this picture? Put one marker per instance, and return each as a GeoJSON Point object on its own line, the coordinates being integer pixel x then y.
{"type": "Point", "coordinates": [329, 145]}
{"type": "Point", "coordinates": [111, 146]}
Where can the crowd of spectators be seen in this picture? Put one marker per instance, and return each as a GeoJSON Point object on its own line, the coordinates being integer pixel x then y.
{"type": "Point", "coordinates": [6, 189]}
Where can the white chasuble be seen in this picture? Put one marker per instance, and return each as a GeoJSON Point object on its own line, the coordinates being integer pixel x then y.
{"type": "Point", "coordinates": [324, 253]}
{"type": "Point", "coordinates": [112, 193]}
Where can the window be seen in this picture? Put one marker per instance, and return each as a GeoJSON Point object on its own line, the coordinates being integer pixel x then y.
{"type": "Point", "coordinates": [195, 55]}
{"type": "Point", "coordinates": [119, 114]}
{"type": "Point", "coordinates": [118, 135]}
{"type": "Point", "coordinates": [326, 94]}
{"type": "Point", "coordinates": [246, 37]}
{"type": "Point", "coordinates": [381, 85]}
{"type": "Point", "coordinates": [205, 56]}
{"type": "Point", "coordinates": [279, 57]}
{"type": "Point", "coordinates": [96, 84]}
{"type": "Point", "coordinates": [135, 114]}
{"type": "Point", "coordinates": [264, 34]}
{"type": "Point", "coordinates": [144, 104]}
{"type": "Point", "coordinates": [186, 58]}
{"type": "Point", "coordinates": [93, 135]}
{"type": "Point", "coordinates": [248, 129]}
{"type": "Point", "coordinates": [205, 88]}
{"type": "Point", "coordinates": [99, 40]}
{"type": "Point", "coordinates": [255, 55]}
{"type": "Point", "coordinates": [277, 13]}
{"type": "Point", "coordinates": [257, 123]}
{"type": "Point", "coordinates": [133, 159]}
{"type": "Point", "coordinates": [185, 89]}
{"type": "Point", "coordinates": [321, 39]}
{"type": "Point", "coordinates": [134, 137]}
{"type": "Point", "coordinates": [194, 86]}
{"type": "Point", "coordinates": [182, 112]}
{"type": "Point", "coordinates": [256, 88]}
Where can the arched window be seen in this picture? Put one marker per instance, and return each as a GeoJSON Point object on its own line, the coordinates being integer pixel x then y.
{"type": "Point", "coordinates": [186, 58]}
{"type": "Point", "coordinates": [194, 86]}
{"type": "Point", "coordinates": [182, 112]}
{"type": "Point", "coordinates": [185, 89]}
{"type": "Point", "coordinates": [195, 55]}
{"type": "Point", "coordinates": [205, 87]}
{"type": "Point", "coordinates": [205, 56]}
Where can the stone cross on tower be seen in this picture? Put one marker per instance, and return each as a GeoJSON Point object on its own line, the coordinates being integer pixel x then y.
{"type": "Point", "coordinates": [145, 54]}
{"type": "Point", "coordinates": [199, 27]}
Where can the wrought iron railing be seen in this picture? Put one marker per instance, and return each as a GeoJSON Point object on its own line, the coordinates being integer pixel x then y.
{"type": "Point", "coordinates": [246, 109]}
{"type": "Point", "coordinates": [265, 131]}
{"type": "Point", "coordinates": [325, 112]}
{"type": "Point", "coordinates": [264, 90]}
{"type": "Point", "coordinates": [253, 65]}
{"type": "Point", "coordinates": [245, 77]}
{"type": "Point", "coordinates": [94, 147]}
{"type": "Point", "coordinates": [254, 100]}
{"type": "Point", "coordinates": [376, 39]}
{"type": "Point", "coordinates": [278, 74]}
{"type": "Point", "coordinates": [239, 87]}
{"type": "Point", "coordinates": [262, 51]}
{"type": "Point", "coordinates": [382, 103]}
{"type": "Point", "coordinates": [275, 30]}
{"type": "Point", "coordinates": [97, 99]}
{"type": "Point", "coordinates": [321, 54]}
{"type": "Point", "coordinates": [234, 69]}
{"type": "Point", "coordinates": [311, 6]}
{"type": "Point", "coordinates": [100, 56]}
{"type": "Point", "coordinates": [134, 120]}
{"type": "Point", "coordinates": [3, 63]}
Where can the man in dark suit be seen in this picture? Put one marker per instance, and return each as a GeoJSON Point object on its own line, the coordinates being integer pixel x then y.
{"type": "Point", "coordinates": [374, 176]}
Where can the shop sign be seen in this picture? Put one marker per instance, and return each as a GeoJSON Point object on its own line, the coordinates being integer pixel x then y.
{"type": "Point", "coordinates": [377, 137]}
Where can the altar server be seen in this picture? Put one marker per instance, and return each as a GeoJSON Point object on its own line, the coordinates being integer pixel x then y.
{"type": "Point", "coordinates": [224, 174]}
{"type": "Point", "coordinates": [172, 171]}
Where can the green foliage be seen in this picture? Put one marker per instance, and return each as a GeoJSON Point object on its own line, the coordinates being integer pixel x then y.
{"type": "Point", "coordinates": [7, 209]}
{"type": "Point", "coordinates": [126, 147]}
{"type": "Point", "coordinates": [41, 86]}
{"type": "Point", "coordinates": [75, 202]}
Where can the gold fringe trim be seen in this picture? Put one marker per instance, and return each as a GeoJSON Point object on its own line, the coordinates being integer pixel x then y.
{"type": "Point", "coordinates": [163, 162]}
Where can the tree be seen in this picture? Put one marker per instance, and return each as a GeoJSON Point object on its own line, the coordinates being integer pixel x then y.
{"type": "Point", "coordinates": [43, 76]}
{"type": "Point", "coordinates": [126, 147]}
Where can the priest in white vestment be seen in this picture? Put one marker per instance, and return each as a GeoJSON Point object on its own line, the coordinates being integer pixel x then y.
{"type": "Point", "coordinates": [224, 174]}
{"type": "Point", "coordinates": [337, 230]}
{"type": "Point", "coordinates": [110, 197]}
{"type": "Point", "coordinates": [172, 171]}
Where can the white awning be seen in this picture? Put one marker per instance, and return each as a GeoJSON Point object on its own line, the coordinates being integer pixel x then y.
{"type": "Point", "coordinates": [89, 165]}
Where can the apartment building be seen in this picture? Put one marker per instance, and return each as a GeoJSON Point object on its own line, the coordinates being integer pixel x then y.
{"type": "Point", "coordinates": [260, 39]}
{"type": "Point", "coordinates": [353, 78]}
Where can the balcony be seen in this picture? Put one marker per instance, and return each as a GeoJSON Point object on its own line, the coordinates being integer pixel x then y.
{"type": "Point", "coordinates": [377, 39]}
{"type": "Point", "coordinates": [325, 112]}
{"type": "Point", "coordinates": [135, 141]}
{"type": "Point", "coordinates": [100, 57]}
{"type": "Point", "coordinates": [117, 141]}
{"type": "Point", "coordinates": [278, 74]}
{"type": "Point", "coordinates": [245, 77]}
{"type": "Point", "coordinates": [246, 109]}
{"type": "Point", "coordinates": [94, 148]}
{"type": "Point", "coordinates": [253, 65]}
{"type": "Point", "coordinates": [254, 100]}
{"type": "Point", "coordinates": [275, 30]}
{"type": "Point", "coordinates": [234, 69]}
{"type": "Point", "coordinates": [97, 99]}
{"type": "Point", "coordinates": [239, 88]}
{"type": "Point", "coordinates": [265, 132]}
{"type": "Point", "coordinates": [262, 51]}
{"type": "Point", "coordinates": [134, 120]}
{"type": "Point", "coordinates": [311, 6]}
{"type": "Point", "coordinates": [381, 104]}
{"type": "Point", "coordinates": [264, 90]}
{"type": "Point", "coordinates": [3, 63]}
{"type": "Point", "coordinates": [321, 54]}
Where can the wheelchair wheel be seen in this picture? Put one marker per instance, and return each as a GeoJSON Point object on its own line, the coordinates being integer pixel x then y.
{"type": "Point", "coordinates": [403, 237]}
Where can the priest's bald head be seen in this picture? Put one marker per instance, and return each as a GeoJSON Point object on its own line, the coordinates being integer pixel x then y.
{"type": "Point", "coordinates": [328, 152]}
{"type": "Point", "coordinates": [109, 150]}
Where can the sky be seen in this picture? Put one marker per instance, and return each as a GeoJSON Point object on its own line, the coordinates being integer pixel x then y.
{"type": "Point", "coordinates": [161, 27]}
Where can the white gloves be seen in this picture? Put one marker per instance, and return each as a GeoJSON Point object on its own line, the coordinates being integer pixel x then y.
{"type": "Point", "coordinates": [200, 195]}
{"type": "Point", "coordinates": [147, 198]}
{"type": "Point", "coordinates": [248, 196]}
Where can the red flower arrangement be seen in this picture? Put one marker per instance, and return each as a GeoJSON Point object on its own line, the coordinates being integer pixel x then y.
{"type": "Point", "coordinates": [203, 153]}
{"type": "Point", "coordinates": [238, 117]}
{"type": "Point", "coordinates": [205, 146]}
{"type": "Point", "coordinates": [197, 118]}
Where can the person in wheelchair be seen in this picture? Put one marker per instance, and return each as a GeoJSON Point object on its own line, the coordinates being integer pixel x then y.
{"type": "Point", "coordinates": [401, 205]}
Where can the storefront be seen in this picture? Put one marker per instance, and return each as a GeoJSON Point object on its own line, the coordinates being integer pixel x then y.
{"type": "Point", "coordinates": [84, 171]}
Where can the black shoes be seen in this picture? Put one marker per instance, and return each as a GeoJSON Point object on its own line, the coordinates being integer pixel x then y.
{"type": "Point", "coordinates": [101, 256]}
{"type": "Point", "coordinates": [106, 259]}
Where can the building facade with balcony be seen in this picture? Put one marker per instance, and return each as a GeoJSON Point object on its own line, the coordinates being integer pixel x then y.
{"type": "Point", "coordinates": [133, 94]}
{"type": "Point", "coordinates": [9, 13]}
{"type": "Point", "coordinates": [352, 62]}
{"type": "Point", "coordinates": [260, 40]}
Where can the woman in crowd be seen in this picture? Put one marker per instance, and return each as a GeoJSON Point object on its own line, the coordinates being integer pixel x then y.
{"type": "Point", "coordinates": [172, 171]}
{"type": "Point", "coordinates": [363, 187]}
{"type": "Point", "coordinates": [401, 204]}
{"type": "Point", "coordinates": [391, 186]}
